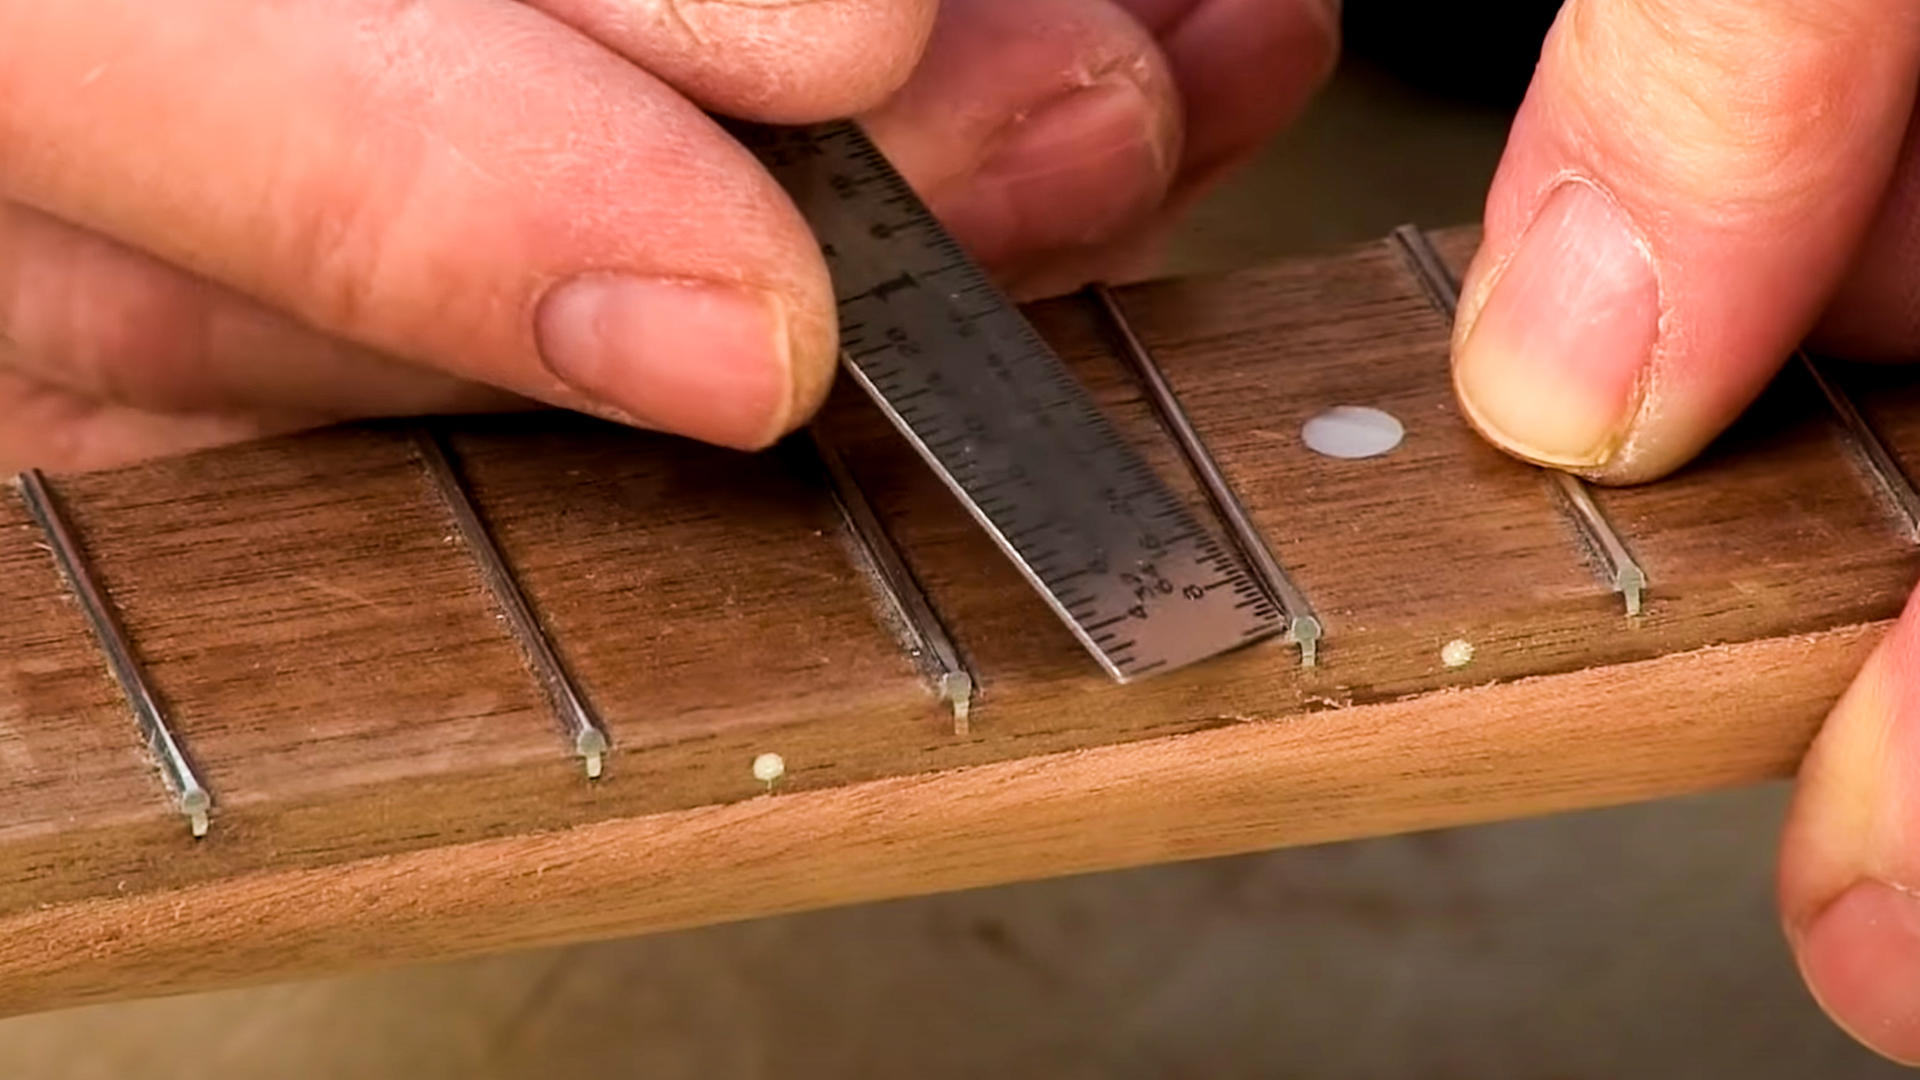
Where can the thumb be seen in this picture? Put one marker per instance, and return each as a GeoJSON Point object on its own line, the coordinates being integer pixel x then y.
{"type": "Point", "coordinates": [1681, 193]}
{"type": "Point", "coordinates": [1850, 862]}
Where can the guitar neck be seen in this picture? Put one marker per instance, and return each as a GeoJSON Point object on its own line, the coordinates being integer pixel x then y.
{"type": "Point", "coordinates": [390, 747]}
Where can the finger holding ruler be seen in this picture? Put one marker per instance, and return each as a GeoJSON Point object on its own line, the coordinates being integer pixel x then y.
{"type": "Point", "coordinates": [980, 395]}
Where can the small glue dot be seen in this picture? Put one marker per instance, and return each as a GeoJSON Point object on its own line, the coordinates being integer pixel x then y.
{"type": "Point", "coordinates": [1457, 653]}
{"type": "Point", "coordinates": [769, 767]}
{"type": "Point", "coordinates": [1352, 431]}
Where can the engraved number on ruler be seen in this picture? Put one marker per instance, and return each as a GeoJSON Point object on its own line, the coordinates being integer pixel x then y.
{"type": "Point", "coordinates": [963, 376]}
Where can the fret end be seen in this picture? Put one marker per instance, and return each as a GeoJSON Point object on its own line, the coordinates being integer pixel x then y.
{"type": "Point", "coordinates": [591, 745]}
{"type": "Point", "coordinates": [195, 804]}
{"type": "Point", "coordinates": [1305, 632]}
{"type": "Point", "coordinates": [956, 687]}
{"type": "Point", "coordinates": [1631, 584]}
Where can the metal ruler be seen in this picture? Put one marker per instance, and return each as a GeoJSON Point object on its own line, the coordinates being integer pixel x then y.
{"type": "Point", "coordinates": [960, 372]}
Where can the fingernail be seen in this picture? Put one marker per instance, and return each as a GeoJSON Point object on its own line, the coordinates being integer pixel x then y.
{"type": "Point", "coordinates": [697, 358]}
{"type": "Point", "coordinates": [1072, 172]}
{"type": "Point", "coordinates": [1861, 957]}
{"type": "Point", "coordinates": [1105, 120]}
{"type": "Point", "coordinates": [1553, 364]}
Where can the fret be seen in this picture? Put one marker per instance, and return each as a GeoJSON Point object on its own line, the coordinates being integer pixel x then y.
{"type": "Point", "coordinates": [1622, 573]}
{"type": "Point", "coordinates": [929, 642]}
{"type": "Point", "coordinates": [1885, 474]}
{"type": "Point", "coordinates": [1429, 268]}
{"type": "Point", "coordinates": [189, 794]}
{"type": "Point", "coordinates": [325, 648]}
{"type": "Point", "coordinates": [1303, 626]}
{"type": "Point", "coordinates": [584, 730]}
{"type": "Point", "coordinates": [1757, 524]}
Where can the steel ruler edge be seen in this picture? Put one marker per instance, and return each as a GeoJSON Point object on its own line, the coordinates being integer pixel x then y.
{"type": "Point", "coordinates": [959, 371]}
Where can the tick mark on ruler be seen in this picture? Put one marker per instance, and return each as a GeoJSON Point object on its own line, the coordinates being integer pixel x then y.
{"type": "Point", "coordinates": [984, 400]}
{"type": "Point", "coordinates": [1303, 626]}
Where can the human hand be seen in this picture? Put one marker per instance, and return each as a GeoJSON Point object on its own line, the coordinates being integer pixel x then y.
{"type": "Point", "coordinates": [239, 218]}
{"type": "Point", "coordinates": [1692, 188]}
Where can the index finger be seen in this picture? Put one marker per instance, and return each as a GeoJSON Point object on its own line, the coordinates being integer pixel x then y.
{"type": "Point", "coordinates": [467, 184]}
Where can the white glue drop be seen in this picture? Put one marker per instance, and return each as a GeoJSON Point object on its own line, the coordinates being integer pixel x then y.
{"type": "Point", "coordinates": [1457, 653]}
{"type": "Point", "coordinates": [769, 767]}
{"type": "Point", "coordinates": [1352, 431]}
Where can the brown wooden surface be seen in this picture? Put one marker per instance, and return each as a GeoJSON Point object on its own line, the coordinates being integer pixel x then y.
{"type": "Point", "coordinates": [389, 784]}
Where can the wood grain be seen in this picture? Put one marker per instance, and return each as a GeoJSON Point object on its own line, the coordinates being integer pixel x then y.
{"type": "Point", "coordinates": [390, 785]}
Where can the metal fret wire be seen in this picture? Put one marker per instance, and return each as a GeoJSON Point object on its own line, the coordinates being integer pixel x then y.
{"type": "Point", "coordinates": [1303, 626]}
{"type": "Point", "coordinates": [176, 771]}
{"type": "Point", "coordinates": [1887, 473]}
{"type": "Point", "coordinates": [1627, 577]}
{"type": "Point", "coordinates": [952, 679]}
{"type": "Point", "coordinates": [590, 741]}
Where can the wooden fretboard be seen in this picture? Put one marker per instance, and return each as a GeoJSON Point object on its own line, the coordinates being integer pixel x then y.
{"type": "Point", "coordinates": [390, 779]}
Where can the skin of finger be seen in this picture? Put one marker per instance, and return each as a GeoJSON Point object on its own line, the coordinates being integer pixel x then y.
{"type": "Point", "coordinates": [1876, 313]}
{"type": "Point", "coordinates": [1134, 256]}
{"type": "Point", "coordinates": [118, 327]}
{"type": "Point", "coordinates": [1748, 143]}
{"type": "Point", "coordinates": [409, 177]}
{"type": "Point", "coordinates": [778, 61]}
{"type": "Point", "coordinates": [1246, 70]}
{"type": "Point", "coordinates": [1856, 808]}
{"type": "Point", "coordinates": [62, 432]}
{"type": "Point", "coordinates": [994, 65]}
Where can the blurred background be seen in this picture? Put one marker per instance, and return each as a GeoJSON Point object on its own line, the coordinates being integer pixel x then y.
{"type": "Point", "coordinates": [1638, 942]}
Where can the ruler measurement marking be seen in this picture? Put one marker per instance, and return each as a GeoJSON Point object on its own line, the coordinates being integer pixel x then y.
{"type": "Point", "coordinates": [1303, 626]}
{"type": "Point", "coordinates": [1009, 430]}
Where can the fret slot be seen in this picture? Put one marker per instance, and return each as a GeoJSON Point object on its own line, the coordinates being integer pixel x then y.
{"type": "Point", "coordinates": [930, 644]}
{"type": "Point", "coordinates": [189, 794]}
{"type": "Point", "coordinates": [1303, 626]}
{"type": "Point", "coordinates": [583, 728]}
{"type": "Point", "coordinates": [1623, 574]}
{"type": "Point", "coordinates": [1869, 450]}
